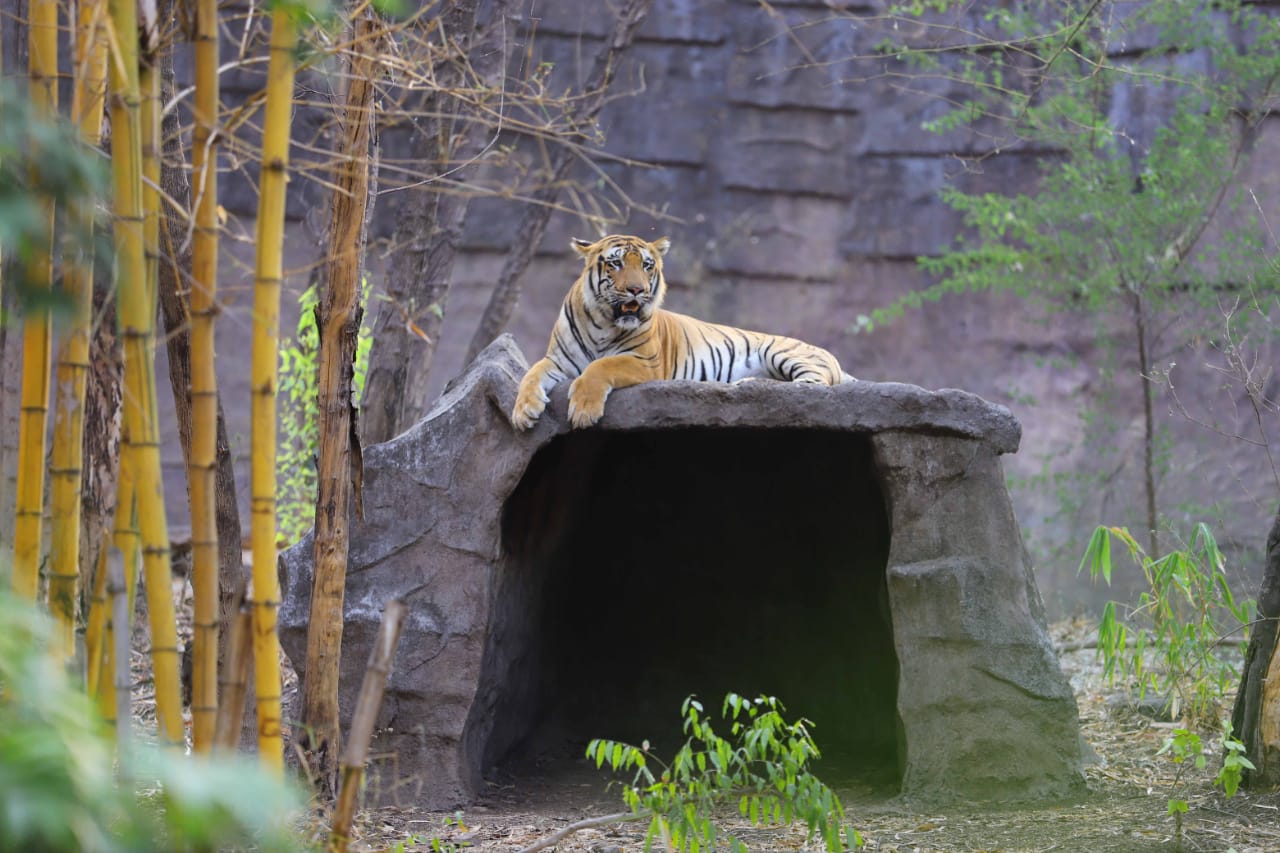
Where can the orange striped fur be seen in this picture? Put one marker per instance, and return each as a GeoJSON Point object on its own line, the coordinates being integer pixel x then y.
{"type": "Point", "coordinates": [612, 332]}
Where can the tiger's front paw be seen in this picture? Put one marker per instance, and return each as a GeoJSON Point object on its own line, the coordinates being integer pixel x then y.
{"type": "Point", "coordinates": [530, 404]}
{"type": "Point", "coordinates": [586, 402]}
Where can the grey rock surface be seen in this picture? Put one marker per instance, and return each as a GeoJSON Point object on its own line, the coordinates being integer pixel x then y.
{"type": "Point", "coordinates": [799, 187]}
{"type": "Point", "coordinates": [464, 517]}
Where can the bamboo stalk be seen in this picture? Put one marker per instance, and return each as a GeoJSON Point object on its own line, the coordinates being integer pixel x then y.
{"type": "Point", "coordinates": [266, 335]}
{"type": "Point", "coordinates": [137, 308]}
{"type": "Point", "coordinates": [233, 685]}
{"type": "Point", "coordinates": [95, 629]}
{"type": "Point", "coordinates": [117, 589]}
{"type": "Point", "coordinates": [362, 722]}
{"type": "Point", "coordinates": [42, 37]}
{"type": "Point", "coordinates": [125, 541]}
{"type": "Point", "coordinates": [339, 330]}
{"type": "Point", "coordinates": [202, 468]}
{"type": "Point", "coordinates": [73, 361]}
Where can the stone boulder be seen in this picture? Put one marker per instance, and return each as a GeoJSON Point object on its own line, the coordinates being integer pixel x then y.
{"type": "Point", "coordinates": [851, 550]}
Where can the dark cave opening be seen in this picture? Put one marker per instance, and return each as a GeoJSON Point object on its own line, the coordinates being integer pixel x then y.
{"type": "Point", "coordinates": [642, 567]}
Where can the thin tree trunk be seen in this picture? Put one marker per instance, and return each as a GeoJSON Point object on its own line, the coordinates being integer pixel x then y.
{"type": "Point", "coordinates": [428, 224]}
{"type": "Point", "coordinates": [137, 322]}
{"type": "Point", "coordinates": [42, 34]}
{"type": "Point", "coordinates": [1255, 720]}
{"type": "Point", "coordinates": [1148, 427]}
{"type": "Point", "coordinates": [102, 462]}
{"type": "Point", "coordinates": [338, 326]}
{"type": "Point", "coordinates": [266, 340]}
{"type": "Point", "coordinates": [506, 293]}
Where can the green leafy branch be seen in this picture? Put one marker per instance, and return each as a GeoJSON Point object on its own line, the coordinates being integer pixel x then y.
{"type": "Point", "coordinates": [1173, 641]}
{"type": "Point", "coordinates": [763, 766]}
{"type": "Point", "coordinates": [1187, 747]}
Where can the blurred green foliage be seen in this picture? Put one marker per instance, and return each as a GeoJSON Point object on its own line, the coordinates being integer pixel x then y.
{"type": "Point", "coordinates": [42, 161]}
{"type": "Point", "coordinates": [62, 789]}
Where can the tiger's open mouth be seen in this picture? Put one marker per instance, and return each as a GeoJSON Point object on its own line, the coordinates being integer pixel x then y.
{"type": "Point", "coordinates": [624, 309]}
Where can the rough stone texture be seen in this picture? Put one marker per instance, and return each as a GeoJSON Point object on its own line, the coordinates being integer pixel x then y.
{"type": "Point", "coordinates": [983, 708]}
{"type": "Point", "coordinates": [798, 196]}
{"type": "Point", "coordinates": [978, 671]}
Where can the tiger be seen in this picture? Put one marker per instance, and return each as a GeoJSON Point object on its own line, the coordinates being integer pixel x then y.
{"type": "Point", "coordinates": [612, 332]}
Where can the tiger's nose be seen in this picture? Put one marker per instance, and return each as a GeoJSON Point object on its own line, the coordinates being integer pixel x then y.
{"type": "Point", "coordinates": [635, 289]}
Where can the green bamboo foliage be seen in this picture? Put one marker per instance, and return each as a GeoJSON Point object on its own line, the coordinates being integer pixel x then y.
{"type": "Point", "coordinates": [43, 68]}
{"type": "Point", "coordinates": [266, 338]}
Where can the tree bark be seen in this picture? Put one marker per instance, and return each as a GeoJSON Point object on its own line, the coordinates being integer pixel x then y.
{"type": "Point", "coordinates": [338, 463]}
{"type": "Point", "coordinates": [101, 466]}
{"type": "Point", "coordinates": [428, 224]}
{"type": "Point", "coordinates": [506, 293]}
{"type": "Point", "coordinates": [1255, 719]}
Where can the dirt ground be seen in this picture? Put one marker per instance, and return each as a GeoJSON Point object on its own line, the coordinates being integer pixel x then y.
{"type": "Point", "coordinates": [1129, 786]}
{"type": "Point", "coordinates": [1125, 809]}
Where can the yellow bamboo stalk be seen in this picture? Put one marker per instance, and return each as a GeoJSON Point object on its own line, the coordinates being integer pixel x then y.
{"type": "Point", "coordinates": [126, 542]}
{"type": "Point", "coordinates": [266, 336]}
{"type": "Point", "coordinates": [137, 308]}
{"type": "Point", "coordinates": [100, 680]}
{"type": "Point", "coordinates": [96, 626]}
{"type": "Point", "coordinates": [73, 360]}
{"type": "Point", "coordinates": [111, 685]}
{"type": "Point", "coordinates": [204, 383]}
{"type": "Point", "coordinates": [42, 32]}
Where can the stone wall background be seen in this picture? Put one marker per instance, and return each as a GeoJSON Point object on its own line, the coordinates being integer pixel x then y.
{"type": "Point", "coordinates": [798, 188]}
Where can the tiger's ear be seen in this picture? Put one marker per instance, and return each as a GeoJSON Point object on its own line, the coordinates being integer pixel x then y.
{"type": "Point", "coordinates": [582, 247]}
{"type": "Point", "coordinates": [661, 244]}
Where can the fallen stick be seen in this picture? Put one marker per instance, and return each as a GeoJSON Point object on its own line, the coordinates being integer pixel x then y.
{"type": "Point", "coordinates": [362, 722]}
{"type": "Point", "coordinates": [559, 835]}
{"type": "Point", "coordinates": [235, 674]}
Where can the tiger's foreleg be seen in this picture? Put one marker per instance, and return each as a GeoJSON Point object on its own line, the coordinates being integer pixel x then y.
{"type": "Point", "coordinates": [589, 391]}
{"type": "Point", "coordinates": [531, 399]}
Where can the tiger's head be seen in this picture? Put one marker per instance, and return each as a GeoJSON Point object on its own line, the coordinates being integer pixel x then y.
{"type": "Point", "coordinates": [622, 280]}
